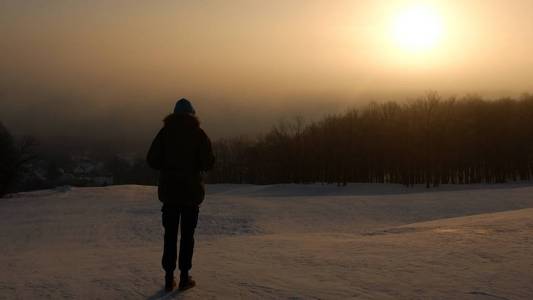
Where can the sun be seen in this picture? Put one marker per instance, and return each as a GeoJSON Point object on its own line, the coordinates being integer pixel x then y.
{"type": "Point", "coordinates": [417, 28]}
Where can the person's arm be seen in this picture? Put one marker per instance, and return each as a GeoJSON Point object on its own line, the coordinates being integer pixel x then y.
{"type": "Point", "coordinates": [207, 158]}
{"type": "Point", "coordinates": [154, 158]}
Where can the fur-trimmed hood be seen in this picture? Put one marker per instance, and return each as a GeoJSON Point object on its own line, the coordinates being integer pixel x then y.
{"type": "Point", "coordinates": [181, 121]}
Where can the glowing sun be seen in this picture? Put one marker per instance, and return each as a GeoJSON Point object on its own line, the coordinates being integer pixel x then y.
{"type": "Point", "coordinates": [417, 28]}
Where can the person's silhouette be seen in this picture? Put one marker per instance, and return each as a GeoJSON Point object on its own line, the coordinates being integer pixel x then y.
{"type": "Point", "coordinates": [181, 152]}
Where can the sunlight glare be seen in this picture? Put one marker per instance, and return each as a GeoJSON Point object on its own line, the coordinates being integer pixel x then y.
{"type": "Point", "coordinates": [417, 29]}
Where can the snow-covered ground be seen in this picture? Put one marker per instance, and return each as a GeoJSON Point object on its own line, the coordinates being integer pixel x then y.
{"type": "Point", "coordinates": [282, 241]}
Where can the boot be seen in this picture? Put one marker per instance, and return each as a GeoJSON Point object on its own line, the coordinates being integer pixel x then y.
{"type": "Point", "coordinates": [186, 282]}
{"type": "Point", "coordinates": [170, 283]}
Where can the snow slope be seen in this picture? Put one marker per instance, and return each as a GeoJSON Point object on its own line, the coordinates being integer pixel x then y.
{"type": "Point", "coordinates": [283, 241]}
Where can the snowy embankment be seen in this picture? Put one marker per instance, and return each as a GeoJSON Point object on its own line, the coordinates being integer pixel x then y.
{"type": "Point", "coordinates": [283, 241]}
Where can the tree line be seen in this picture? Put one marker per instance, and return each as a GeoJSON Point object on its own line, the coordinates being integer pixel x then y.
{"type": "Point", "coordinates": [430, 140]}
{"type": "Point", "coordinates": [26, 165]}
{"type": "Point", "coordinates": [15, 154]}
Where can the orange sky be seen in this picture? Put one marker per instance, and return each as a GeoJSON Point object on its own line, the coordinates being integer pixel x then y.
{"type": "Point", "coordinates": [262, 45]}
{"type": "Point", "coordinates": [114, 51]}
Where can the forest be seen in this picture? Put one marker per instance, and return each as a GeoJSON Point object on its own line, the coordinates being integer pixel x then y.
{"type": "Point", "coordinates": [428, 141]}
{"type": "Point", "coordinates": [431, 140]}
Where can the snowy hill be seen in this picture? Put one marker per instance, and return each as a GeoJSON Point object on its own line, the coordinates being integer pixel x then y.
{"type": "Point", "coordinates": [283, 241]}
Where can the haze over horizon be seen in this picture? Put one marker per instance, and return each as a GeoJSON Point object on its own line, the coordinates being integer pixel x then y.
{"type": "Point", "coordinates": [84, 68]}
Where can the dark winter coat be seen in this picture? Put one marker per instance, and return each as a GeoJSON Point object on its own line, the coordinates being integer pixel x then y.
{"type": "Point", "coordinates": [181, 151]}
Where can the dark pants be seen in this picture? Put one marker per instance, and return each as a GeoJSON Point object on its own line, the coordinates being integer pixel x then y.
{"type": "Point", "coordinates": [171, 221]}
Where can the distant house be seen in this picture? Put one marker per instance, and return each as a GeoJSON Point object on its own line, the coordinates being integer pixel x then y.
{"type": "Point", "coordinates": [102, 180]}
{"type": "Point", "coordinates": [90, 173]}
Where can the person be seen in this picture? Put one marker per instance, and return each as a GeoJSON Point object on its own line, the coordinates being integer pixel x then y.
{"type": "Point", "coordinates": [181, 152]}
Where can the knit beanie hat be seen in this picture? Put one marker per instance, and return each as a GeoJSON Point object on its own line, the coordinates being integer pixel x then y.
{"type": "Point", "coordinates": [184, 106]}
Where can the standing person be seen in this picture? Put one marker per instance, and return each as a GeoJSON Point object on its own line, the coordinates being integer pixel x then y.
{"type": "Point", "coordinates": [181, 151]}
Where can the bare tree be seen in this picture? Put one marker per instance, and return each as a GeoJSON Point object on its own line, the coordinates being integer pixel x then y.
{"type": "Point", "coordinates": [430, 140]}
{"type": "Point", "coordinates": [14, 155]}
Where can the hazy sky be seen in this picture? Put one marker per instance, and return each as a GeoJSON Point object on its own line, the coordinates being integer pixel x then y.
{"type": "Point", "coordinates": [117, 62]}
